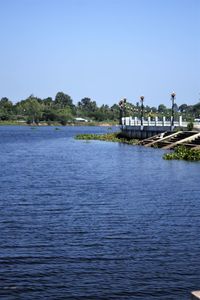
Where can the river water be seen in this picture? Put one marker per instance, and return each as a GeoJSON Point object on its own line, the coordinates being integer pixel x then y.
{"type": "Point", "coordinates": [95, 220]}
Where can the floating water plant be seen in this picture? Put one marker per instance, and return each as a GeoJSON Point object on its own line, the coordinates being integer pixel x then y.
{"type": "Point", "coordinates": [108, 137]}
{"type": "Point", "coordinates": [181, 152]}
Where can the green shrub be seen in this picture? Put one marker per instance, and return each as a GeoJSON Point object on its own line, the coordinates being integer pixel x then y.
{"type": "Point", "coordinates": [190, 126]}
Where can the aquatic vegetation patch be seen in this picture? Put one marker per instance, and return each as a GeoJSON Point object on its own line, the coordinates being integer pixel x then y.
{"type": "Point", "coordinates": [108, 137]}
{"type": "Point", "coordinates": [182, 152]}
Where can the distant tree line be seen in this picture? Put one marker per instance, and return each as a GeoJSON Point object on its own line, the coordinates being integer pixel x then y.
{"type": "Point", "coordinates": [63, 110]}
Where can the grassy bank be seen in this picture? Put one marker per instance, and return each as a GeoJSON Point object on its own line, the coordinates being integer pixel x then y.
{"type": "Point", "coordinates": [5, 123]}
{"type": "Point", "coordinates": [181, 152]}
{"type": "Point", "coordinates": [55, 123]}
{"type": "Point", "coordinates": [108, 137]}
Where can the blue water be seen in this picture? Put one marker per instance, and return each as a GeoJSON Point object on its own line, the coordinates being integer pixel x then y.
{"type": "Point", "coordinates": [95, 220]}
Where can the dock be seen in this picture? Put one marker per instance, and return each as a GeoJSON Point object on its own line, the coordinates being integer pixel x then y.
{"type": "Point", "coordinates": [169, 140]}
{"type": "Point", "coordinates": [161, 133]}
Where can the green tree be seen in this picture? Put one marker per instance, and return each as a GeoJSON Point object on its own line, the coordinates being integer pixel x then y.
{"type": "Point", "coordinates": [162, 108]}
{"type": "Point", "coordinates": [6, 109]}
{"type": "Point", "coordinates": [32, 109]}
{"type": "Point", "coordinates": [64, 115]}
{"type": "Point", "coordinates": [196, 110]}
{"type": "Point", "coordinates": [87, 105]}
{"type": "Point", "coordinates": [63, 100]}
{"type": "Point", "coordinates": [48, 102]}
{"type": "Point", "coordinates": [183, 108]}
{"type": "Point", "coordinates": [87, 108]}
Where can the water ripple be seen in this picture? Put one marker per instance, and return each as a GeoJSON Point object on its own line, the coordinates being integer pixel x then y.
{"type": "Point", "coordinates": [95, 220]}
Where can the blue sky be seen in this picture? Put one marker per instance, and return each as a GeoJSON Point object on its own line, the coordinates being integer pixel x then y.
{"type": "Point", "coordinates": [102, 49]}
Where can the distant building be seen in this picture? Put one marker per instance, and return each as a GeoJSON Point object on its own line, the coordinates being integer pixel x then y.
{"type": "Point", "coordinates": [80, 120]}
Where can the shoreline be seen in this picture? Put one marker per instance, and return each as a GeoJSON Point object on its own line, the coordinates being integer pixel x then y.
{"type": "Point", "coordinates": [103, 124]}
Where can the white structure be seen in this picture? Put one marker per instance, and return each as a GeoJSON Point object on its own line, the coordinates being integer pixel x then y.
{"type": "Point", "coordinates": [195, 295]}
{"type": "Point", "coordinates": [80, 120]}
{"type": "Point", "coordinates": [129, 121]}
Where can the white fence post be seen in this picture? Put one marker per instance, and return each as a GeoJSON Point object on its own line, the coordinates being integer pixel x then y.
{"type": "Point", "coordinates": [180, 120]}
{"type": "Point", "coordinates": [135, 121]}
{"type": "Point", "coordinates": [164, 119]}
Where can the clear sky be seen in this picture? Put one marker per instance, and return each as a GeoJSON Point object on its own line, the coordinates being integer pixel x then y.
{"type": "Point", "coordinates": [102, 49]}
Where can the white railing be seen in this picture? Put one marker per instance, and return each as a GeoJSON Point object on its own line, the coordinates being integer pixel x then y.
{"type": "Point", "coordinates": [129, 121]}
